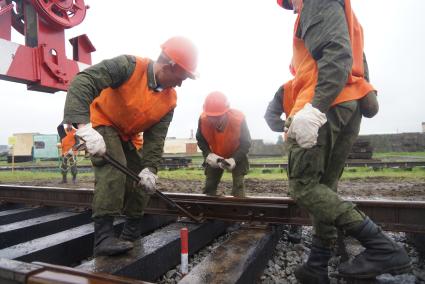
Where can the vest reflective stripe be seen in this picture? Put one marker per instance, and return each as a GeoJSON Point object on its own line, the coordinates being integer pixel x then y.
{"type": "Point", "coordinates": [306, 69]}
{"type": "Point", "coordinates": [68, 141]}
{"type": "Point", "coordinates": [132, 107]}
{"type": "Point", "coordinates": [227, 142]}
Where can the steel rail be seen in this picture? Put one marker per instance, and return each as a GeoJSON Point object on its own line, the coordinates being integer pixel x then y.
{"type": "Point", "coordinates": [407, 216]}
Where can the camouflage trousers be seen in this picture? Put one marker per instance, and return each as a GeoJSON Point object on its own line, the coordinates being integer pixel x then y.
{"type": "Point", "coordinates": [314, 173]}
{"type": "Point", "coordinates": [114, 192]}
{"type": "Point", "coordinates": [72, 160]}
{"type": "Point", "coordinates": [213, 177]}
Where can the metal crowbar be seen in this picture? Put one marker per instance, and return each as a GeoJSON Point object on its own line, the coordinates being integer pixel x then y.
{"type": "Point", "coordinates": [116, 164]}
{"type": "Point", "coordinates": [80, 145]}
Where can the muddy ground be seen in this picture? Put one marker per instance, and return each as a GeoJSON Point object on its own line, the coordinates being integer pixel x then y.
{"type": "Point", "coordinates": [376, 188]}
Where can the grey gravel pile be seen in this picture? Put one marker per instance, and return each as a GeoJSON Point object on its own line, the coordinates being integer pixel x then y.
{"type": "Point", "coordinates": [287, 256]}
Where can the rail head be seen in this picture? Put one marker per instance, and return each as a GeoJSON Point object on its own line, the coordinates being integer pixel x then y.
{"type": "Point", "coordinates": [397, 215]}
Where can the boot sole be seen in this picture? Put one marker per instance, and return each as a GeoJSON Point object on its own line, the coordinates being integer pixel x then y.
{"type": "Point", "coordinates": [393, 271]}
{"type": "Point", "coordinates": [111, 253]}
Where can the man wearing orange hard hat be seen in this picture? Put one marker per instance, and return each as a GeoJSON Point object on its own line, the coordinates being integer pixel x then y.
{"type": "Point", "coordinates": [324, 105]}
{"type": "Point", "coordinates": [68, 154]}
{"type": "Point", "coordinates": [224, 140]}
{"type": "Point", "coordinates": [111, 103]}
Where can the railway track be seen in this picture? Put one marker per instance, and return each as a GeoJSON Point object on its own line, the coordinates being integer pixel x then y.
{"type": "Point", "coordinates": [176, 165]}
{"type": "Point", "coordinates": [46, 235]}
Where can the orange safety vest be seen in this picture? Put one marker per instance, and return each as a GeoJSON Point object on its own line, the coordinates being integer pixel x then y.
{"type": "Point", "coordinates": [137, 141]}
{"type": "Point", "coordinates": [288, 98]}
{"type": "Point", "coordinates": [68, 141]}
{"type": "Point", "coordinates": [227, 142]}
{"type": "Point", "coordinates": [132, 107]}
{"type": "Point", "coordinates": [305, 81]}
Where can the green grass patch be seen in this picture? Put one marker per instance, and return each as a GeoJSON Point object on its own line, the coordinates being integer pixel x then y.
{"type": "Point", "coordinates": [198, 174]}
{"type": "Point", "coordinates": [399, 155]}
{"type": "Point", "coordinates": [28, 176]}
{"type": "Point", "coordinates": [416, 173]}
{"type": "Point", "coordinates": [53, 163]}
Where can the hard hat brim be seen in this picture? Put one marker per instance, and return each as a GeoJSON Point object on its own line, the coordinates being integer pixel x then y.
{"type": "Point", "coordinates": [209, 113]}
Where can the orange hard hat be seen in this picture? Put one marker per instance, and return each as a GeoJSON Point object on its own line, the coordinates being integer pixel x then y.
{"type": "Point", "coordinates": [216, 104]}
{"type": "Point", "coordinates": [183, 52]}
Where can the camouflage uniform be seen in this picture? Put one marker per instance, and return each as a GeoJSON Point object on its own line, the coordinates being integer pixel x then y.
{"type": "Point", "coordinates": [213, 175]}
{"type": "Point", "coordinates": [72, 160]}
{"type": "Point", "coordinates": [314, 173]}
{"type": "Point", "coordinates": [114, 192]}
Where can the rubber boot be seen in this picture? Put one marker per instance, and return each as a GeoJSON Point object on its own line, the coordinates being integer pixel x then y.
{"type": "Point", "coordinates": [105, 243]}
{"type": "Point", "coordinates": [64, 179]}
{"type": "Point", "coordinates": [210, 187]}
{"type": "Point", "coordinates": [74, 179]}
{"type": "Point", "coordinates": [238, 192]}
{"type": "Point", "coordinates": [315, 270]}
{"type": "Point", "coordinates": [238, 187]}
{"type": "Point", "coordinates": [132, 229]}
{"type": "Point", "coordinates": [382, 254]}
{"type": "Point", "coordinates": [212, 179]}
{"type": "Point", "coordinates": [295, 234]}
{"type": "Point", "coordinates": [210, 192]}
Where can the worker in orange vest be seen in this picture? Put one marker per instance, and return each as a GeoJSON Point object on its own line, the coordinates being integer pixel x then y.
{"type": "Point", "coordinates": [111, 103]}
{"type": "Point", "coordinates": [68, 154]}
{"type": "Point", "coordinates": [224, 140]}
{"type": "Point", "coordinates": [324, 104]}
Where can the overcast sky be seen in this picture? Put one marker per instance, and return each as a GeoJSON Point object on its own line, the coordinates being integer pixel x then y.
{"type": "Point", "coordinates": [244, 51]}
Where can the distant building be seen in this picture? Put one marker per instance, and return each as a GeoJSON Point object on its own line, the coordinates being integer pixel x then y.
{"type": "Point", "coordinates": [29, 146]}
{"type": "Point", "coordinates": [46, 146]}
{"type": "Point", "coordinates": [22, 150]}
{"type": "Point", "coordinates": [181, 146]}
{"type": "Point", "coordinates": [401, 142]}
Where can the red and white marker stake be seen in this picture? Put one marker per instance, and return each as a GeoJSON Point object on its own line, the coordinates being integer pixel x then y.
{"type": "Point", "coordinates": [184, 267]}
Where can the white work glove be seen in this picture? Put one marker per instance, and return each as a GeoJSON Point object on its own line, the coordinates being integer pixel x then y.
{"type": "Point", "coordinates": [212, 160]}
{"type": "Point", "coordinates": [305, 126]}
{"type": "Point", "coordinates": [148, 181]}
{"type": "Point", "coordinates": [94, 142]}
{"type": "Point", "coordinates": [227, 164]}
{"type": "Point", "coordinates": [70, 152]}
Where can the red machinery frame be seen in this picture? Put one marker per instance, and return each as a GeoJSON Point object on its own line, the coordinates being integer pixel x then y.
{"type": "Point", "coordinates": [42, 63]}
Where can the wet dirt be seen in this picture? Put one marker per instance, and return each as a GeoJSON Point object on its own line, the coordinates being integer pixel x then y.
{"type": "Point", "coordinates": [368, 188]}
